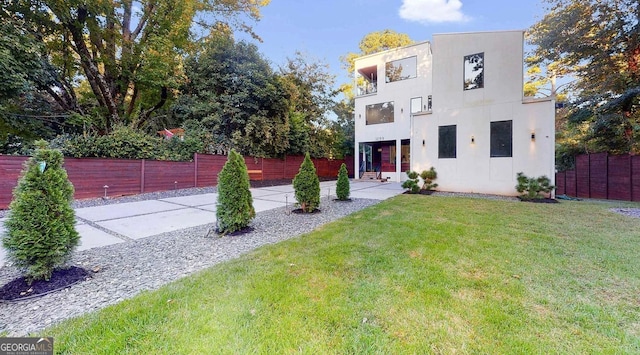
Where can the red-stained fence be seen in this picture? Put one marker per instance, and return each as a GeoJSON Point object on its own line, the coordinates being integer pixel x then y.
{"type": "Point", "coordinates": [603, 176]}
{"type": "Point", "coordinates": [128, 176]}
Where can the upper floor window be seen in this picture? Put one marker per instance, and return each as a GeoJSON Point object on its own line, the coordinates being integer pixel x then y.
{"type": "Point", "coordinates": [474, 71]}
{"type": "Point", "coordinates": [416, 104]}
{"type": "Point", "coordinates": [367, 80]}
{"type": "Point", "coordinates": [401, 69]}
{"type": "Point", "coordinates": [379, 113]}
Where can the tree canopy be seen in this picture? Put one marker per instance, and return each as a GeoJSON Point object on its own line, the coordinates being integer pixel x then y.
{"type": "Point", "coordinates": [597, 42]}
{"type": "Point", "coordinates": [128, 52]}
{"type": "Point", "coordinates": [234, 92]}
{"type": "Point", "coordinates": [73, 71]}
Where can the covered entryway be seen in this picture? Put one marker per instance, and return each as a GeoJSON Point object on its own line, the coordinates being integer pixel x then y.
{"type": "Point", "coordinates": [383, 159]}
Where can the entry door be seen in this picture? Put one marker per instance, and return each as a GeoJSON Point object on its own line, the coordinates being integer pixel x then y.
{"type": "Point", "coordinates": [367, 156]}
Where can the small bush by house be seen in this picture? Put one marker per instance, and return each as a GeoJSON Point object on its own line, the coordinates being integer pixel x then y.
{"type": "Point", "coordinates": [532, 188]}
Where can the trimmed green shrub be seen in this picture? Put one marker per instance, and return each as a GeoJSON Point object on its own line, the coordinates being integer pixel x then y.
{"type": "Point", "coordinates": [531, 188]}
{"type": "Point", "coordinates": [427, 177]}
{"type": "Point", "coordinates": [411, 184]}
{"type": "Point", "coordinates": [307, 186]}
{"type": "Point", "coordinates": [235, 205]}
{"type": "Point", "coordinates": [342, 185]}
{"type": "Point", "coordinates": [41, 231]}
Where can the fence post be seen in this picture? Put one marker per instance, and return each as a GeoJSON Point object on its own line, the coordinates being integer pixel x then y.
{"type": "Point", "coordinates": [607, 175]}
{"type": "Point", "coordinates": [195, 169]}
{"type": "Point", "coordinates": [142, 176]}
{"type": "Point", "coordinates": [631, 176]}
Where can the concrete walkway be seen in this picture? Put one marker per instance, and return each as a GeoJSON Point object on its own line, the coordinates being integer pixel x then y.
{"type": "Point", "coordinates": [121, 222]}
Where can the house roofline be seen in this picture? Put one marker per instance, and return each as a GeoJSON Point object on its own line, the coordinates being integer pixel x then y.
{"type": "Point", "coordinates": [394, 49]}
{"type": "Point", "coordinates": [477, 32]}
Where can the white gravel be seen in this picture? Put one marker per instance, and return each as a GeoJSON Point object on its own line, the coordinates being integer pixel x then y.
{"type": "Point", "coordinates": [126, 269]}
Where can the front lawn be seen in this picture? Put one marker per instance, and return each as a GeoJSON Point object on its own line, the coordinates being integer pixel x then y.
{"type": "Point", "coordinates": [414, 274]}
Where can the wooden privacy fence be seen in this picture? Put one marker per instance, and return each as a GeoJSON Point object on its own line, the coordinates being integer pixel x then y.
{"type": "Point", "coordinates": [604, 176]}
{"type": "Point", "coordinates": [129, 176]}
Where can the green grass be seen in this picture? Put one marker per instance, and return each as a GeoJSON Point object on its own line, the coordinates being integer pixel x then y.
{"type": "Point", "coordinates": [414, 274]}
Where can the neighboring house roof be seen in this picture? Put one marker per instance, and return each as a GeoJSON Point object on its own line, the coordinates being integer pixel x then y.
{"type": "Point", "coordinates": [168, 133]}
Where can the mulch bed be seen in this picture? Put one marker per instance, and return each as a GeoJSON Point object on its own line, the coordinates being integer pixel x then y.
{"type": "Point", "coordinates": [18, 289]}
{"type": "Point", "coordinates": [539, 200]}
{"type": "Point", "coordinates": [300, 211]}
{"type": "Point", "coordinates": [421, 192]}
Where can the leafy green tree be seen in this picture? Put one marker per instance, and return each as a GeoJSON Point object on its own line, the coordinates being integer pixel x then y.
{"type": "Point", "coordinates": [307, 186]}
{"type": "Point", "coordinates": [343, 128]}
{"type": "Point", "coordinates": [342, 185]}
{"type": "Point", "coordinates": [129, 52]}
{"type": "Point", "coordinates": [233, 92]}
{"type": "Point", "coordinates": [597, 42]}
{"type": "Point", "coordinates": [41, 231]}
{"type": "Point", "coordinates": [234, 209]}
{"type": "Point", "coordinates": [310, 96]}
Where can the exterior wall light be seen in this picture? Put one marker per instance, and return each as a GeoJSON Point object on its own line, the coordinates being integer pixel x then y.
{"type": "Point", "coordinates": [473, 140]}
{"type": "Point", "coordinates": [423, 142]}
{"type": "Point", "coordinates": [533, 136]}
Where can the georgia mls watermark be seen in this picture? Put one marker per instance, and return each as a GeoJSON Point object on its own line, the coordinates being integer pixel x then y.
{"type": "Point", "coordinates": [26, 346]}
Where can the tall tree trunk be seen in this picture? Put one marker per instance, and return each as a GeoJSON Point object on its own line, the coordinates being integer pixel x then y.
{"type": "Point", "coordinates": [98, 83]}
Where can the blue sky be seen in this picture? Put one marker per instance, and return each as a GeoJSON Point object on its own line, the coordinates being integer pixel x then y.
{"type": "Point", "coordinates": [324, 30]}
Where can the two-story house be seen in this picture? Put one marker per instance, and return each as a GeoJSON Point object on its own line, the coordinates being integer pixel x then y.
{"type": "Point", "coordinates": [456, 104]}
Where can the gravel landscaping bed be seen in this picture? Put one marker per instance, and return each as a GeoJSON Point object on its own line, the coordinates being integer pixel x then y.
{"type": "Point", "coordinates": [631, 212]}
{"type": "Point", "coordinates": [126, 269]}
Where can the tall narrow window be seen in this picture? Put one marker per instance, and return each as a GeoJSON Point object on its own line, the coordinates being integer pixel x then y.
{"type": "Point", "coordinates": [447, 142]}
{"type": "Point", "coordinates": [501, 139]}
{"type": "Point", "coordinates": [474, 71]}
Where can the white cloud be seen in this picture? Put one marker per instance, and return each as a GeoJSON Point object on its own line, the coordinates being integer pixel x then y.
{"type": "Point", "coordinates": [432, 11]}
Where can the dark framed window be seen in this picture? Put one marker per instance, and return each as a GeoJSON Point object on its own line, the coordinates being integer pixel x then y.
{"type": "Point", "coordinates": [474, 71]}
{"type": "Point", "coordinates": [447, 142]}
{"type": "Point", "coordinates": [380, 113]}
{"type": "Point", "coordinates": [401, 69]}
{"type": "Point", "coordinates": [501, 139]}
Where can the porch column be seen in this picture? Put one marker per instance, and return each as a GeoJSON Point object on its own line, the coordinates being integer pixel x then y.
{"type": "Point", "coordinates": [356, 158]}
{"type": "Point", "coordinates": [399, 171]}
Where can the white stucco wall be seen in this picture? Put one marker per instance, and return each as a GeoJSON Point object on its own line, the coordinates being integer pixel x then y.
{"type": "Point", "coordinates": [440, 74]}
{"type": "Point", "coordinates": [472, 111]}
{"type": "Point", "coordinates": [400, 92]}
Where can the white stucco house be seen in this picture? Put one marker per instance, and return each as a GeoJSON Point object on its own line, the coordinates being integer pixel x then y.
{"type": "Point", "coordinates": [456, 104]}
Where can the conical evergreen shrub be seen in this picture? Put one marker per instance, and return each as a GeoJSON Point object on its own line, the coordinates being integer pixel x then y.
{"type": "Point", "coordinates": [307, 186]}
{"type": "Point", "coordinates": [342, 186]}
{"type": "Point", "coordinates": [235, 204]}
{"type": "Point", "coordinates": [41, 233]}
